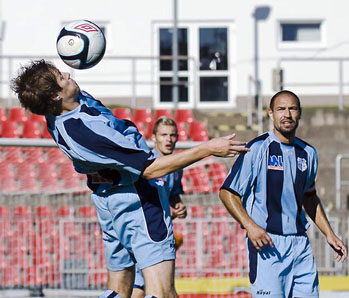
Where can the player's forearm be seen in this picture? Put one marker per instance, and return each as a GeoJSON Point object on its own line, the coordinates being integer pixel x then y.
{"type": "Point", "coordinates": [234, 206]}
{"type": "Point", "coordinates": [170, 163]}
{"type": "Point", "coordinates": [314, 209]}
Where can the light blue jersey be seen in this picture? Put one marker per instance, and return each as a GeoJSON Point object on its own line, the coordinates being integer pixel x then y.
{"type": "Point", "coordinates": [272, 179]}
{"type": "Point", "coordinates": [113, 155]}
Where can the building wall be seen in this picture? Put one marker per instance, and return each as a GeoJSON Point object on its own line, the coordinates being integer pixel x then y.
{"type": "Point", "coordinates": [32, 28]}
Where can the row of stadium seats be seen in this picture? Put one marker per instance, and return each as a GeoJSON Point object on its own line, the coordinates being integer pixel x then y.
{"type": "Point", "coordinates": [88, 211]}
{"type": "Point", "coordinates": [18, 123]}
{"type": "Point", "coordinates": [49, 246]}
{"type": "Point", "coordinates": [37, 169]}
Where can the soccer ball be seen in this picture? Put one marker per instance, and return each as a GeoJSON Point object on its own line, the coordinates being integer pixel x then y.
{"type": "Point", "coordinates": [81, 44]}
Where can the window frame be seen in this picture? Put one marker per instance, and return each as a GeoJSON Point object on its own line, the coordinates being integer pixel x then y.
{"type": "Point", "coordinates": [194, 73]}
{"type": "Point", "coordinates": [311, 45]}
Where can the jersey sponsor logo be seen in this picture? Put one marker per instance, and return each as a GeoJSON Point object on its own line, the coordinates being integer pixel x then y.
{"type": "Point", "coordinates": [302, 164]}
{"type": "Point", "coordinates": [275, 162]}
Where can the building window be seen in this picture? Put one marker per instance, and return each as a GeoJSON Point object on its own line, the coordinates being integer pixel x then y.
{"type": "Point", "coordinates": [166, 89]}
{"type": "Point", "coordinates": [292, 32]}
{"type": "Point", "coordinates": [213, 48]}
{"type": "Point", "coordinates": [213, 89]}
{"type": "Point", "coordinates": [166, 48]}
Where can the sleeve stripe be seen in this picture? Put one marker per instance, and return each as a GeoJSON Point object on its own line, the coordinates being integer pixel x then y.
{"type": "Point", "coordinates": [87, 138]}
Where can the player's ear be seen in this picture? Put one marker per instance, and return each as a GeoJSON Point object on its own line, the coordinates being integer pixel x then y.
{"type": "Point", "coordinates": [56, 97]}
{"type": "Point", "coordinates": [270, 113]}
{"type": "Point", "coordinates": [153, 138]}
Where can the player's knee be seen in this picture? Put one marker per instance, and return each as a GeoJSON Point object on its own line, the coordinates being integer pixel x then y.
{"type": "Point", "coordinates": [109, 294]}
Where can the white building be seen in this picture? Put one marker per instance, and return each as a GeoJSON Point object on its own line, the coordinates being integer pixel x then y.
{"type": "Point", "coordinates": [217, 36]}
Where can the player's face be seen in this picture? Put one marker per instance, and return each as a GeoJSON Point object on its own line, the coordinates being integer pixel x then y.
{"type": "Point", "coordinates": [70, 89]}
{"type": "Point", "coordinates": [165, 139]}
{"type": "Point", "coordinates": [285, 115]}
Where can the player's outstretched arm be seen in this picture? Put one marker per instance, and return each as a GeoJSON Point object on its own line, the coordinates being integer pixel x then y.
{"type": "Point", "coordinates": [314, 209]}
{"type": "Point", "coordinates": [222, 147]}
{"type": "Point", "coordinates": [255, 233]}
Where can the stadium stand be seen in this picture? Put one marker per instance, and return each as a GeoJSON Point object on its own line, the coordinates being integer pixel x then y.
{"type": "Point", "coordinates": [142, 115]}
{"type": "Point", "coordinates": [17, 114]}
{"type": "Point", "coordinates": [10, 129]}
{"type": "Point", "coordinates": [122, 113]}
{"type": "Point", "coordinates": [162, 112]}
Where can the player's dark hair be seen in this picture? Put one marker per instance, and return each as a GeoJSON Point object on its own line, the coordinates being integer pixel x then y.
{"type": "Point", "coordinates": [36, 86]}
{"type": "Point", "coordinates": [284, 92]}
{"type": "Point", "coordinates": [164, 121]}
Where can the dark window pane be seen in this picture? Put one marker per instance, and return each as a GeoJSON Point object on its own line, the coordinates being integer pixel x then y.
{"type": "Point", "coordinates": [166, 90]}
{"type": "Point", "coordinates": [213, 48]}
{"type": "Point", "coordinates": [166, 48]}
{"type": "Point", "coordinates": [213, 89]}
{"type": "Point", "coordinates": [301, 32]}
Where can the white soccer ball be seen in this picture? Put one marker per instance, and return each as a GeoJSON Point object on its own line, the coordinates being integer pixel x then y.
{"type": "Point", "coordinates": [81, 44]}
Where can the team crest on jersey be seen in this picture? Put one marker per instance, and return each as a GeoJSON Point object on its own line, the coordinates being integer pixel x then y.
{"type": "Point", "coordinates": [301, 164]}
{"type": "Point", "coordinates": [275, 162]}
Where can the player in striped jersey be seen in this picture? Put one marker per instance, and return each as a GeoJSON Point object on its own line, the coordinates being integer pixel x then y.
{"type": "Point", "coordinates": [266, 191]}
{"type": "Point", "coordinates": [165, 136]}
{"type": "Point", "coordinates": [132, 206]}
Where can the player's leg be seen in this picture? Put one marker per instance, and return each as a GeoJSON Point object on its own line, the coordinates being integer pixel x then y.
{"type": "Point", "coordinates": [159, 279]}
{"type": "Point", "coordinates": [121, 281]}
{"type": "Point", "coordinates": [138, 287]}
{"type": "Point", "coordinates": [119, 261]}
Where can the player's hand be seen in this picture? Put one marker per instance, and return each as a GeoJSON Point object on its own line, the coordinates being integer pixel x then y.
{"type": "Point", "coordinates": [339, 247]}
{"type": "Point", "coordinates": [259, 237]}
{"type": "Point", "coordinates": [226, 146]}
{"type": "Point", "coordinates": [180, 210]}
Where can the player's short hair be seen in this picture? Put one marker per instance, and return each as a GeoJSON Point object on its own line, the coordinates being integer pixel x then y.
{"type": "Point", "coordinates": [164, 121]}
{"type": "Point", "coordinates": [284, 92]}
{"type": "Point", "coordinates": [36, 85]}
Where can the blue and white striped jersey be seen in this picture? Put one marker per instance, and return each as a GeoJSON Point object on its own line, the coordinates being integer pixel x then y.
{"type": "Point", "coordinates": [110, 151]}
{"type": "Point", "coordinates": [272, 179]}
{"type": "Point", "coordinates": [172, 181]}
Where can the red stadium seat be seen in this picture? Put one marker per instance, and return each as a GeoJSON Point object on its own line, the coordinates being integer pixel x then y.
{"type": "Point", "coordinates": [219, 211]}
{"type": "Point", "coordinates": [217, 173]}
{"type": "Point", "coordinates": [37, 118]}
{"type": "Point", "coordinates": [45, 133]}
{"type": "Point", "coordinates": [48, 176]}
{"type": "Point", "coordinates": [162, 112]}
{"type": "Point", "coordinates": [65, 211]}
{"type": "Point", "coordinates": [27, 175]}
{"type": "Point", "coordinates": [200, 179]}
{"type": "Point", "coordinates": [86, 211]}
{"type": "Point", "coordinates": [7, 168]}
{"type": "Point", "coordinates": [142, 115]}
{"type": "Point", "coordinates": [8, 184]}
{"type": "Point", "coordinates": [13, 154]}
{"type": "Point", "coordinates": [184, 115]}
{"type": "Point", "coordinates": [31, 130]}
{"type": "Point", "coordinates": [22, 211]}
{"type": "Point", "coordinates": [55, 155]}
{"type": "Point", "coordinates": [197, 211]}
{"type": "Point", "coordinates": [182, 131]}
{"type": "Point", "coordinates": [17, 114]}
{"type": "Point", "coordinates": [34, 154]}
{"type": "Point", "coordinates": [3, 115]}
{"type": "Point", "coordinates": [198, 131]}
{"type": "Point", "coordinates": [43, 211]}
{"type": "Point", "coordinates": [122, 113]}
{"type": "Point", "coordinates": [10, 129]}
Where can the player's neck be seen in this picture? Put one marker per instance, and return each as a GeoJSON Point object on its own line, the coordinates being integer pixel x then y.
{"type": "Point", "coordinates": [285, 139]}
{"type": "Point", "coordinates": [69, 106]}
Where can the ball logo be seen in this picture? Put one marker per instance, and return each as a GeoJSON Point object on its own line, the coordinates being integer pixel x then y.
{"type": "Point", "coordinates": [86, 27]}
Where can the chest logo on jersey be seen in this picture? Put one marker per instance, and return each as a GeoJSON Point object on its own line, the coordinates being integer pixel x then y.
{"type": "Point", "coordinates": [302, 164]}
{"type": "Point", "coordinates": [275, 162]}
